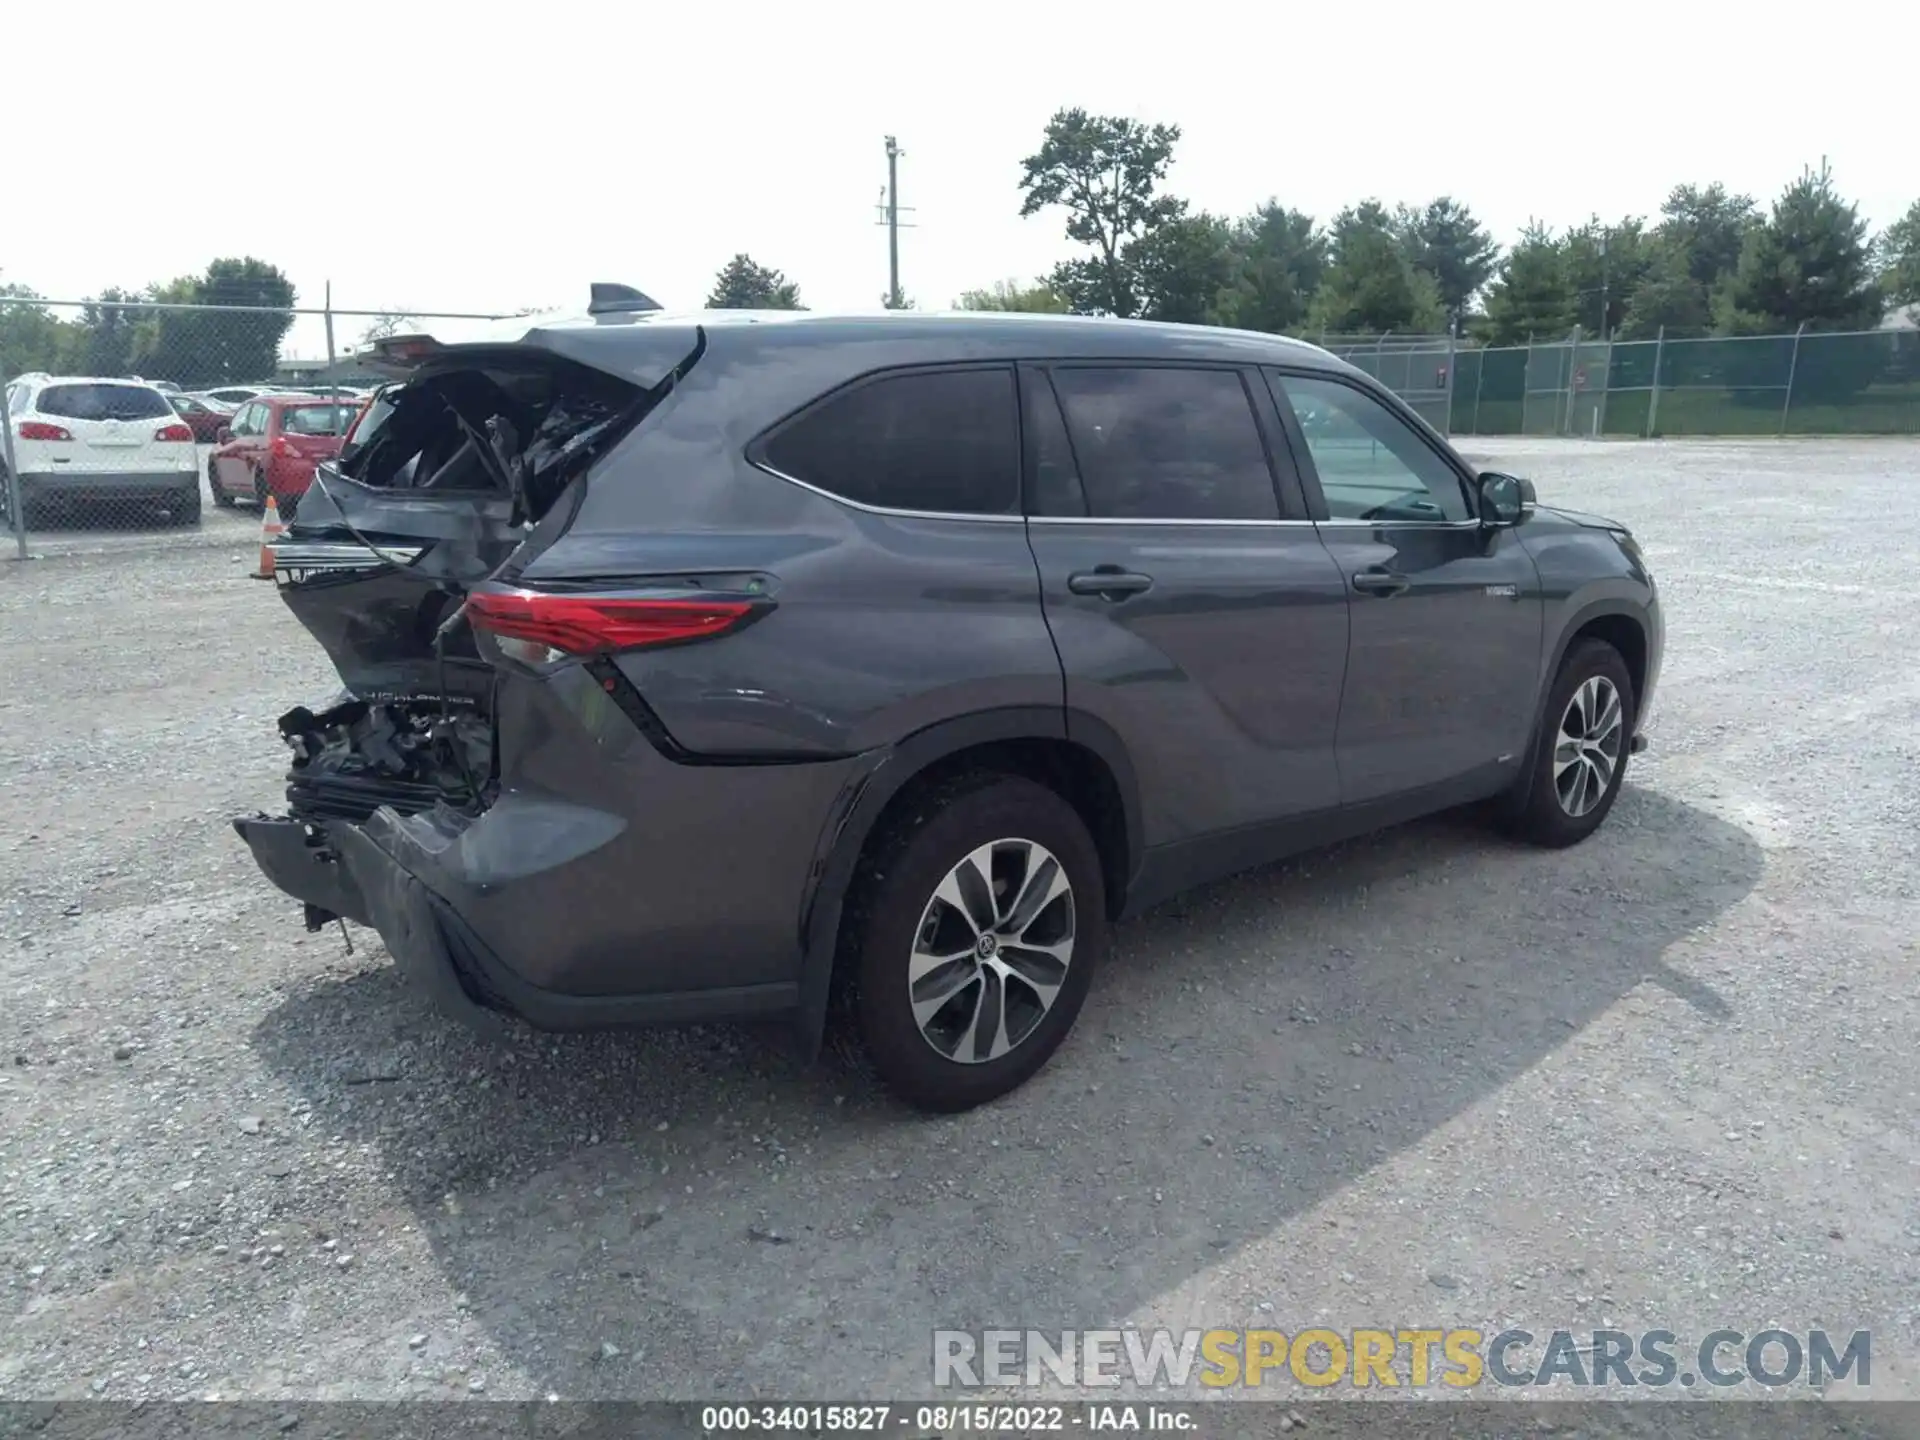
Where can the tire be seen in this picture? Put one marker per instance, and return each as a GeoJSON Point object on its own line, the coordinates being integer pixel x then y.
{"type": "Point", "coordinates": [1558, 811]}
{"type": "Point", "coordinates": [1011, 827]}
{"type": "Point", "coordinates": [184, 508]}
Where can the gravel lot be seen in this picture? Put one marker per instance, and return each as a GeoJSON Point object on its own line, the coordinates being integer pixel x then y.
{"type": "Point", "coordinates": [1428, 1078]}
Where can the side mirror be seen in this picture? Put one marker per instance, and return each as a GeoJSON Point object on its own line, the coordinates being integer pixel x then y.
{"type": "Point", "coordinates": [1504, 499]}
{"type": "Point", "coordinates": [222, 435]}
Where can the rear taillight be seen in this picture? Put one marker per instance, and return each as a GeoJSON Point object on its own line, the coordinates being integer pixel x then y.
{"type": "Point", "coordinates": [40, 430]}
{"type": "Point", "coordinates": [180, 433]}
{"type": "Point", "coordinates": [597, 624]}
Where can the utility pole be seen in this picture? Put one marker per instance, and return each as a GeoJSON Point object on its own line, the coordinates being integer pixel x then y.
{"type": "Point", "coordinates": [890, 217]}
{"type": "Point", "coordinates": [1603, 283]}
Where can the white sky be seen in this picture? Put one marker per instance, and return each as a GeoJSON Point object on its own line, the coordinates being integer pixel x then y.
{"type": "Point", "coordinates": [493, 157]}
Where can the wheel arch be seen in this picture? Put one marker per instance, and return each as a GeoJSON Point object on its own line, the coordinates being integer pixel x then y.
{"type": "Point", "coordinates": [1622, 625]}
{"type": "Point", "coordinates": [1076, 755]}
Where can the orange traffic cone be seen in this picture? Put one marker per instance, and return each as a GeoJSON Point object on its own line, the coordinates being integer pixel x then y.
{"type": "Point", "coordinates": [270, 530]}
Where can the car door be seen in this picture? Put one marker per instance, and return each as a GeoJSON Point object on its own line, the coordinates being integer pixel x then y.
{"type": "Point", "coordinates": [1444, 655]}
{"type": "Point", "coordinates": [1194, 608]}
{"type": "Point", "coordinates": [230, 460]}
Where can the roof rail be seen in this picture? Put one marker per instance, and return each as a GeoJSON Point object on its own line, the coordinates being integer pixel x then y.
{"type": "Point", "coordinates": [610, 299]}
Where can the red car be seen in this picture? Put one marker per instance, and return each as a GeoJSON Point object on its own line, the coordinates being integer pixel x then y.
{"type": "Point", "coordinates": [203, 419]}
{"type": "Point", "coordinates": [271, 446]}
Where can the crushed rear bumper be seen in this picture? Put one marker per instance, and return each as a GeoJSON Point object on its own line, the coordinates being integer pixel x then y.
{"type": "Point", "coordinates": [294, 857]}
{"type": "Point", "coordinates": [420, 933]}
{"type": "Point", "coordinates": [407, 872]}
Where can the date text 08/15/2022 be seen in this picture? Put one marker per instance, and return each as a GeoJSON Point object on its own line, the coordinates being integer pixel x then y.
{"type": "Point", "coordinates": [945, 1419]}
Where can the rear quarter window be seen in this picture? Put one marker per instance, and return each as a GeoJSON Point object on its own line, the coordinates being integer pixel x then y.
{"type": "Point", "coordinates": [941, 441]}
{"type": "Point", "coordinates": [315, 419]}
{"type": "Point", "coordinates": [103, 402]}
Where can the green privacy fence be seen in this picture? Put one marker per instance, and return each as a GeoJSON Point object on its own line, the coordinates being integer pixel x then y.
{"type": "Point", "coordinates": [1865, 383]}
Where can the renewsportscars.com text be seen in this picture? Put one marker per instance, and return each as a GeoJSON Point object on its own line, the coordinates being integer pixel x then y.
{"type": "Point", "coordinates": [1413, 1357]}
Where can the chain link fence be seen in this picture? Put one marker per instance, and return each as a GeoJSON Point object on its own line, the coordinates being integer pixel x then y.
{"type": "Point", "coordinates": [126, 418]}
{"type": "Point", "coordinates": [1857, 383]}
{"type": "Point", "coordinates": [1418, 368]}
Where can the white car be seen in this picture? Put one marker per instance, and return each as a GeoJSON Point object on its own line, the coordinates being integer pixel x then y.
{"type": "Point", "coordinates": [83, 439]}
{"type": "Point", "coordinates": [233, 396]}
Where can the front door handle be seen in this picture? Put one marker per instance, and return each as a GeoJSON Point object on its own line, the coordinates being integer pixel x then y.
{"type": "Point", "coordinates": [1380, 582]}
{"type": "Point", "coordinates": [1109, 582]}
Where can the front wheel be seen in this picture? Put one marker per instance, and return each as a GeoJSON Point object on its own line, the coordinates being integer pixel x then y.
{"type": "Point", "coordinates": [980, 919]}
{"type": "Point", "coordinates": [1580, 757]}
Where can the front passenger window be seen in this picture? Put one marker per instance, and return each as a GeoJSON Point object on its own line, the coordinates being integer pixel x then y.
{"type": "Point", "coordinates": [1372, 466]}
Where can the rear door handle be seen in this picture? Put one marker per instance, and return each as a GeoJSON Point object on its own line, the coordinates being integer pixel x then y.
{"type": "Point", "coordinates": [1109, 582]}
{"type": "Point", "coordinates": [1380, 582]}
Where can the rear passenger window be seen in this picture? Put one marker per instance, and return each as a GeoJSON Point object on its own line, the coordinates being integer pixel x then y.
{"type": "Point", "coordinates": [1166, 444]}
{"type": "Point", "coordinates": [945, 441]}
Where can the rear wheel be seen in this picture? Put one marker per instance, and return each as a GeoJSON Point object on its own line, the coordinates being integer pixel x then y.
{"type": "Point", "coordinates": [1580, 757]}
{"type": "Point", "coordinates": [184, 507]}
{"type": "Point", "coordinates": [980, 918]}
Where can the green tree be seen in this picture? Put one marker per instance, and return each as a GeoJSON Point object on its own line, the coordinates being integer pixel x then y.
{"type": "Point", "coordinates": [1809, 264]}
{"type": "Point", "coordinates": [105, 336]}
{"type": "Point", "coordinates": [1605, 263]}
{"type": "Point", "coordinates": [1039, 298]}
{"type": "Point", "coordinates": [744, 285]}
{"type": "Point", "coordinates": [1104, 171]}
{"type": "Point", "coordinates": [1709, 226]}
{"type": "Point", "coordinates": [1668, 298]}
{"type": "Point", "coordinates": [31, 336]}
{"type": "Point", "coordinates": [1900, 258]}
{"type": "Point", "coordinates": [183, 345]}
{"type": "Point", "coordinates": [1370, 285]}
{"type": "Point", "coordinates": [1691, 254]}
{"type": "Point", "coordinates": [241, 346]}
{"type": "Point", "coordinates": [1532, 294]}
{"type": "Point", "coordinates": [1184, 270]}
{"type": "Point", "coordinates": [1283, 256]}
{"type": "Point", "coordinates": [1445, 241]}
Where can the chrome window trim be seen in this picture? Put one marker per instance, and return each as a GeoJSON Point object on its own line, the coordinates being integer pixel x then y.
{"type": "Point", "coordinates": [892, 514]}
{"type": "Point", "coordinates": [1399, 524]}
{"type": "Point", "coordinates": [1171, 520]}
{"type": "Point", "coordinates": [883, 510]}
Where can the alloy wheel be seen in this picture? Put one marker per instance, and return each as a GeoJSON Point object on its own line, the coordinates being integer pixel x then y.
{"type": "Point", "coordinates": [991, 951]}
{"type": "Point", "coordinates": [1587, 751]}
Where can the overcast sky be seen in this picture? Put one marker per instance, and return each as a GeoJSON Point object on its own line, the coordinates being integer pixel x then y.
{"type": "Point", "coordinates": [486, 157]}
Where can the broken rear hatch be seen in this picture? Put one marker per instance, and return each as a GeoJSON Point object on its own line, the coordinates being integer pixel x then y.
{"type": "Point", "coordinates": [476, 460]}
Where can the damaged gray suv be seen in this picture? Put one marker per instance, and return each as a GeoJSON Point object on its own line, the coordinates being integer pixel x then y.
{"type": "Point", "coordinates": [736, 665]}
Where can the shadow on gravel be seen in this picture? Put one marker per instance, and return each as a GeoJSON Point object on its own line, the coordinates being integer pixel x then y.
{"type": "Point", "coordinates": [734, 1225]}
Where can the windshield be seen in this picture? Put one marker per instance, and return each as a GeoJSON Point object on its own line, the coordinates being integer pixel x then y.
{"type": "Point", "coordinates": [316, 419]}
{"type": "Point", "coordinates": [102, 402]}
